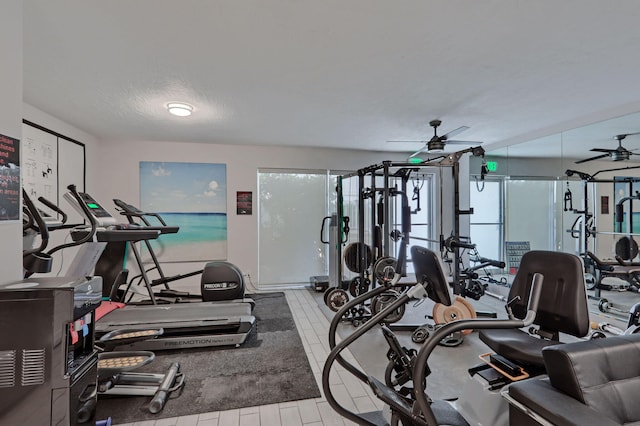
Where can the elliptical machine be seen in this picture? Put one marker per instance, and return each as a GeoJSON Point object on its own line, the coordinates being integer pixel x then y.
{"type": "Point", "coordinates": [115, 369]}
{"type": "Point", "coordinates": [411, 405]}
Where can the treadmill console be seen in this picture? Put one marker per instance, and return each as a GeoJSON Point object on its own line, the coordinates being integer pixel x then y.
{"type": "Point", "coordinates": [102, 216]}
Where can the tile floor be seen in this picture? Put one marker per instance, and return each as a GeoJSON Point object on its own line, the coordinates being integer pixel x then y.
{"type": "Point", "coordinates": [313, 328]}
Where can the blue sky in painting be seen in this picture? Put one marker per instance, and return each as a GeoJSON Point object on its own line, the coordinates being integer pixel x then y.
{"type": "Point", "coordinates": [183, 187]}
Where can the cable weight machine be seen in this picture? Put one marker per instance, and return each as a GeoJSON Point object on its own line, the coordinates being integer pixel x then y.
{"type": "Point", "coordinates": [626, 247]}
{"type": "Point", "coordinates": [381, 248]}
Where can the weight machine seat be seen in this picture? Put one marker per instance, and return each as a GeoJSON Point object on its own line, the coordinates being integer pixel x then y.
{"type": "Point", "coordinates": [628, 271]}
{"type": "Point", "coordinates": [594, 382]}
{"type": "Point", "coordinates": [563, 307]}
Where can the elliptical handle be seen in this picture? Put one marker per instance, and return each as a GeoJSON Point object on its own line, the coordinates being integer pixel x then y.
{"type": "Point", "coordinates": [55, 208]}
{"type": "Point", "coordinates": [42, 227]}
{"type": "Point", "coordinates": [94, 225]}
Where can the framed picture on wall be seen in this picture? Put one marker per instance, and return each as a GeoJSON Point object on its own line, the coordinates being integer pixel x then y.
{"type": "Point", "coordinates": [10, 207]}
{"type": "Point", "coordinates": [244, 202]}
{"type": "Point", "coordinates": [192, 196]}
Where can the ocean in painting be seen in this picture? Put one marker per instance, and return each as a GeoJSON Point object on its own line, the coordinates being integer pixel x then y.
{"type": "Point", "coordinates": [202, 236]}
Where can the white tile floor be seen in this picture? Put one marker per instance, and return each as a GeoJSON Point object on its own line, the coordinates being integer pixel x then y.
{"type": "Point", "coordinates": [313, 328]}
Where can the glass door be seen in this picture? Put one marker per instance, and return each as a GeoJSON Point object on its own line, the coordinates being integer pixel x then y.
{"type": "Point", "coordinates": [292, 205]}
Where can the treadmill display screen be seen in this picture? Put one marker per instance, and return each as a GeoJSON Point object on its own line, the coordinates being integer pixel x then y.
{"type": "Point", "coordinates": [97, 210]}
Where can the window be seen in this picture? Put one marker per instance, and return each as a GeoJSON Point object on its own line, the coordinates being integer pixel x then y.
{"type": "Point", "coordinates": [487, 221]}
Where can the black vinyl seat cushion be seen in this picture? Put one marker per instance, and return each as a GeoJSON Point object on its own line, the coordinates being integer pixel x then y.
{"type": "Point", "coordinates": [517, 345]}
{"type": "Point", "coordinates": [563, 306]}
{"type": "Point", "coordinates": [594, 382]}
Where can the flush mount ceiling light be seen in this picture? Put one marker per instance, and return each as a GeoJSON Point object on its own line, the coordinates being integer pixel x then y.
{"type": "Point", "coordinates": [179, 109]}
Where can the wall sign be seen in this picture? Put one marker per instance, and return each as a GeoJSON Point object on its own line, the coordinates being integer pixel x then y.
{"type": "Point", "coordinates": [9, 178]}
{"type": "Point", "coordinates": [244, 202]}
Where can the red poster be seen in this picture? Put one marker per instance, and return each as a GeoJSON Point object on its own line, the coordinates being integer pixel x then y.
{"type": "Point", "coordinates": [9, 178]}
{"type": "Point", "coordinates": [244, 202]}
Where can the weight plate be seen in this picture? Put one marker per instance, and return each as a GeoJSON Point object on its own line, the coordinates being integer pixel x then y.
{"type": "Point", "coordinates": [354, 287]}
{"type": "Point", "coordinates": [325, 296]}
{"type": "Point", "coordinates": [590, 281]}
{"type": "Point", "coordinates": [353, 254]}
{"type": "Point", "coordinates": [459, 309]}
{"type": "Point", "coordinates": [603, 305]}
{"type": "Point", "coordinates": [384, 269]}
{"type": "Point", "coordinates": [626, 248]}
{"type": "Point", "coordinates": [337, 299]}
{"type": "Point", "coordinates": [454, 339]}
{"type": "Point", "coordinates": [379, 303]}
{"type": "Point", "coordinates": [420, 334]}
{"type": "Point", "coordinates": [364, 286]}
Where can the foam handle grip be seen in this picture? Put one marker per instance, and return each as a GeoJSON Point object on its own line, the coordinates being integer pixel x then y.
{"type": "Point", "coordinates": [619, 216]}
{"type": "Point", "coordinates": [160, 398]}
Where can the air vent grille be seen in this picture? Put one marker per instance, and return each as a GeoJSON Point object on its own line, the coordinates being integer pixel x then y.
{"type": "Point", "coordinates": [33, 363]}
{"type": "Point", "coordinates": [7, 369]}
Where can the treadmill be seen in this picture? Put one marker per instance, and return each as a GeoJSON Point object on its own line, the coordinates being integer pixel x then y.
{"type": "Point", "coordinates": [185, 325]}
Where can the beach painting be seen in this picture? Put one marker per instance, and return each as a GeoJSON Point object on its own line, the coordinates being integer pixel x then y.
{"type": "Point", "coordinates": [192, 196]}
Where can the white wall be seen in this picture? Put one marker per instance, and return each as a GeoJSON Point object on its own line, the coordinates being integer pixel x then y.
{"type": "Point", "coordinates": [113, 172]}
{"type": "Point", "coordinates": [118, 167]}
{"type": "Point", "coordinates": [11, 123]}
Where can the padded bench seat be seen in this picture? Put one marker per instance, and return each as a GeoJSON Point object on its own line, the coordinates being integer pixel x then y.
{"type": "Point", "coordinates": [595, 382]}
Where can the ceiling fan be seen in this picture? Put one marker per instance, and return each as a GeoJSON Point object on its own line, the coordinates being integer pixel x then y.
{"type": "Point", "coordinates": [618, 154]}
{"type": "Point", "coordinates": [437, 143]}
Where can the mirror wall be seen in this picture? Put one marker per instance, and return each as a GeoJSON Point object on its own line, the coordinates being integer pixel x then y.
{"type": "Point", "coordinates": [537, 202]}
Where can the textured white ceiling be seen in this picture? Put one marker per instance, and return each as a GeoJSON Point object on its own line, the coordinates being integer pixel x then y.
{"type": "Point", "coordinates": [334, 73]}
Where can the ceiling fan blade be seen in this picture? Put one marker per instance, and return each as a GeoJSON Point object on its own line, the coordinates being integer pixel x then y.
{"type": "Point", "coordinates": [456, 142]}
{"type": "Point", "coordinates": [592, 158]}
{"type": "Point", "coordinates": [454, 132]}
{"type": "Point", "coordinates": [624, 135]}
{"type": "Point", "coordinates": [420, 151]}
{"type": "Point", "coordinates": [407, 141]}
{"type": "Point", "coordinates": [601, 150]}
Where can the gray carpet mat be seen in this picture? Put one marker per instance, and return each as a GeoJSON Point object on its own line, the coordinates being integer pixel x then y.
{"type": "Point", "coordinates": [271, 367]}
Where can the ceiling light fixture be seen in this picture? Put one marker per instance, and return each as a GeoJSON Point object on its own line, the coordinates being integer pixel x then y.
{"type": "Point", "coordinates": [180, 109]}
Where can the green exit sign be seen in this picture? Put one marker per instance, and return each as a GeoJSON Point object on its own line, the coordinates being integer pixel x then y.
{"type": "Point", "coordinates": [492, 166]}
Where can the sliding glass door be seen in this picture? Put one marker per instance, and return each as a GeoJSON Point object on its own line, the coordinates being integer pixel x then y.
{"type": "Point", "coordinates": [292, 205]}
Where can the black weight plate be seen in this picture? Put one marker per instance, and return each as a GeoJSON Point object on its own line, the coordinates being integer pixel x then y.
{"type": "Point", "coordinates": [603, 305]}
{"type": "Point", "coordinates": [420, 334]}
{"type": "Point", "coordinates": [353, 254]}
{"type": "Point", "coordinates": [364, 286]}
{"type": "Point", "coordinates": [379, 303]}
{"type": "Point", "coordinates": [384, 269]}
{"type": "Point", "coordinates": [337, 299]}
{"type": "Point", "coordinates": [325, 296]}
{"type": "Point", "coordinates": [354, 287]}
